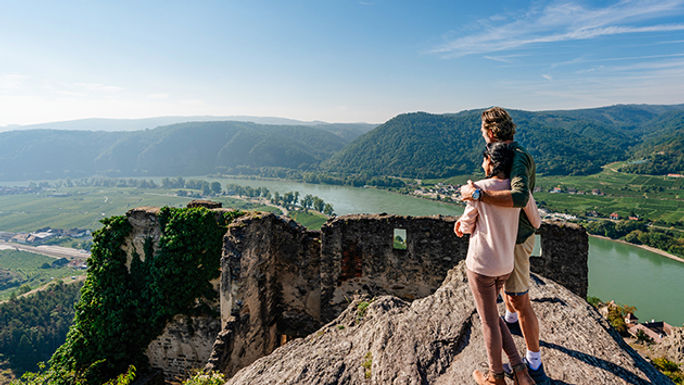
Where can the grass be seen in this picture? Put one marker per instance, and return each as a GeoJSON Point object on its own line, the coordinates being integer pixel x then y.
{"type": "Point", "coordinates": [367, 365]}
{"type": "Point", "coordinates": [361, 310]}
{"type": "Point", "coordinates": [312, 220]}
{"type": "Point", "coordinates": [27, 267]}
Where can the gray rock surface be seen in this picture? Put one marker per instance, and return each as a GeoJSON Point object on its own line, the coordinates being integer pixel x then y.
{"type": "Point", "coordinates": [438, 340]}
{"type": "Point", "coordinates": [671, 347]}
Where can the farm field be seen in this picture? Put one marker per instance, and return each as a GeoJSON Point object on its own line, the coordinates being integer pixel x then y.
{"type": "Point", "coordinates": [84, 207]}
{"type": "Point", "coordinates": [19, 268]}
{"type": "Point", "coordinates": [311, 220]}
{"type": "Point", "coordinates": [651, 197]}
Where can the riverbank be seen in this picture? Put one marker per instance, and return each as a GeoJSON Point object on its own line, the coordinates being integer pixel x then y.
{"type": "Point", "coordinates": [645, 247]}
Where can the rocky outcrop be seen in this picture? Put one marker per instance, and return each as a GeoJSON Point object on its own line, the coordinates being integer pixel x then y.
{"type": "Point", "coordinates": [671, 347]}
{"type": "Point", "coordinates": [438, 340]}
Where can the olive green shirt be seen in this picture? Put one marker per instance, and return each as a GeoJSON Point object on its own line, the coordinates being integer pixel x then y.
{"type": "Point", "coordinates": [522, 183]}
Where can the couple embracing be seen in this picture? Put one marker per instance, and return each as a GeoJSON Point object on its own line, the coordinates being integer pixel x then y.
{"type": "Point", "coordinates": [501, 217]}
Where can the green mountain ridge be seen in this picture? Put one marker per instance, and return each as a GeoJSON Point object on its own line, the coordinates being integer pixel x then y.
{"type": "Point", "coordinates": [192, 148]}
{"type": "Point", "coordinates": [415, 145]}
{"type": "Point", "coordinates": [571, 142]}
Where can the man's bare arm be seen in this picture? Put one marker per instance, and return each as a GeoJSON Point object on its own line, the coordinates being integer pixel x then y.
{"type": "Point", "coordinates": [498, 198]}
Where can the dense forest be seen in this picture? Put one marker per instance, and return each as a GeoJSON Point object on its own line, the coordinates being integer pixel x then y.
{"type": "Point", "coordinates": [32, 327]}
{"type": "Point", "coordinates": [662, 151]}
{"type": "Point", "coordinates": [576, 142]}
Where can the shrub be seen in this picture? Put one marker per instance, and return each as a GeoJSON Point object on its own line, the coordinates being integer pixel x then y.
{"type": "Point", "coordinates": [206, 378]}
{"type": "Point", "coordinates": [670, 369]}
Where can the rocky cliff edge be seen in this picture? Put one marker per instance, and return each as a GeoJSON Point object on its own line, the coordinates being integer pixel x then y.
{"type": "Point", "coordinates": [438, 340]}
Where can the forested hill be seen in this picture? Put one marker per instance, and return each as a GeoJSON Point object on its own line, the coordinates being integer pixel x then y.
{"type": "Point", "coordinates": [568, 142]}
{"type": "Point", "coordinates": [662, 150]}
{"type": "Point", "coordinates": [194, 148]}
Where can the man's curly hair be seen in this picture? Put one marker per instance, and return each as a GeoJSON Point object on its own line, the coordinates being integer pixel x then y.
{"type": "Point", "coordinates": [499, 122]}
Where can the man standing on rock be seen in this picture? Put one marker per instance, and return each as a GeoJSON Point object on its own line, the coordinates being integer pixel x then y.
{"type": "Point", "coordinates": [498, 126]}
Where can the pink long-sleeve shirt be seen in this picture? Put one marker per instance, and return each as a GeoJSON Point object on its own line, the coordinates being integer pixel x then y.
{"type": "Point", "coordinates": [493, 231]}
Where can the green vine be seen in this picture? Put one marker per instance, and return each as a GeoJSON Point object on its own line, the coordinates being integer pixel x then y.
{"type": "Point", "coordinates": [122, 311]}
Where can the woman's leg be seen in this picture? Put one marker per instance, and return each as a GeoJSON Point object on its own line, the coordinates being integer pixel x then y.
{"type": "Point", "coordinates": [506, 338]}
{"type": "Point", "coordinates": [485, 289]}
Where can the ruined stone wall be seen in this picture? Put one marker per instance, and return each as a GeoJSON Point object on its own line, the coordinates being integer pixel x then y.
{"type": "Point", "coordinates": [358, 257]}
{"type": "Point", "coordinates": [564, 255]}
{"type": "Point", "coordinates": [185, 344]}
{"type": "Point", "coordinates": [145, 226]}
{"type": "Point", "coordinates": [270, 288]}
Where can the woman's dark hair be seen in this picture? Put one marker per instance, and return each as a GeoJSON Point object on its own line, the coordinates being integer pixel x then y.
{"type": "Point", "coordinates": [500, 157]}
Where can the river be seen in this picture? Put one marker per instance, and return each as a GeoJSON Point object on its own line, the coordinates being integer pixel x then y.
{"type": "Point", "coordinates": [624, 273]}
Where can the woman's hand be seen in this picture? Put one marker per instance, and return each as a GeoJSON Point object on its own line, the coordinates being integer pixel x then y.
{"type": "Point", "coordinates": [457, 229]}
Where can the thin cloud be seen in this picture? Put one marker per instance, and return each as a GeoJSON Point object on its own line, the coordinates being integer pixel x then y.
{"type": "Point", "coordinates": [11, 81]}
{"type": "Point", "coordinates": [547, 77]}
{"type": "Point", "coordinates": [564, 22]}
{"type": "Point", "coordinates": [158, 96]}
{"type": "Point", "coordinates": [670, 42]}
{"type": "Point", "coordinates": [98, 87]}
{"type": "Point", "coordinates": [502, 58]}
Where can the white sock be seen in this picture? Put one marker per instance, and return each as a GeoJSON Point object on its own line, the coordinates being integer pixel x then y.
{"type": "Point", "coordinates": [511, 317]}
{"type": "Point", "coordinates": [533, 359]}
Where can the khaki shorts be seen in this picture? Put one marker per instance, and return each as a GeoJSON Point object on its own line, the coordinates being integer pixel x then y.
{"type": "Point", "coordinates": [519, 281]}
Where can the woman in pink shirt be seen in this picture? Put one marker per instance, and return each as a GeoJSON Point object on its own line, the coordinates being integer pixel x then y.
{"type": "Point", "coordinates": [489, 262]}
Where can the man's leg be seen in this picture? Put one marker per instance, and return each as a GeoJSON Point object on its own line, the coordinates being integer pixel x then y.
{"type": "Point", "coordinates": [529, 324]}
{"type": "Point", "coordinates": [516, 297]}
{"type": "Point", "coordinates": [517, 300]}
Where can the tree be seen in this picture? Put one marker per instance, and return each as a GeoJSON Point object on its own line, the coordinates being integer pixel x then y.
{"type": "Point", "coordinates": [206, 188]}
{"type": "Point", "coordinates": [616, 317]}
{"type": "Point", "coordinates": [288, 198]}
{"type": "Point", "coordinates": [318, 204]}
{"type": "Point", "coordinates": [328, 209]}
{"type": "Point", "coordinates": [215, 188]}
{"type": "Point", "coordinates": [307, 201]}
{"type": "Point", "coordinates": [643, 338]}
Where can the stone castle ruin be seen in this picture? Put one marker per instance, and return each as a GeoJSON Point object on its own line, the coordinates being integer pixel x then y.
{"type": "Point", "coordinates": [280, 282]}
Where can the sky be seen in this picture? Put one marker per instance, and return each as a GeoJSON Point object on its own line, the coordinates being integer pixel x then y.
{"type": "Point", "coordinates": [333, 60]}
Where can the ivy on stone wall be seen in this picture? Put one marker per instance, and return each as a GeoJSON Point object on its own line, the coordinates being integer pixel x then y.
{"type": "Point", "coordinates": [122, 311]}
